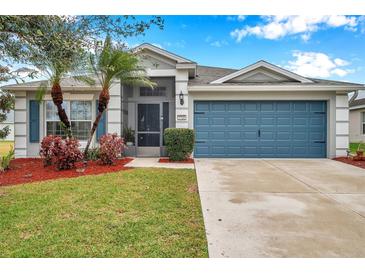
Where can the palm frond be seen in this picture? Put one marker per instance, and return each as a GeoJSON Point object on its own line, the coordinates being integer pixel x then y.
{"type": "Point", "coordinates": [41, 91]}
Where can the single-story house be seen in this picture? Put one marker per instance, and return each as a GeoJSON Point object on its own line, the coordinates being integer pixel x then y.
{"type": "Point", "coordinates": [357, 121]}
{"type": "Point", "coordinates": [261, 110]}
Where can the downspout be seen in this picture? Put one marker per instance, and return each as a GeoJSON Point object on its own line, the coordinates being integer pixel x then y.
{"type": "Point", "coordinates": [353, 97]}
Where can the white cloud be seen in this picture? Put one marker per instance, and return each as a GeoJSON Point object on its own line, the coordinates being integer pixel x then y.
{"type": "Point", "coordinates": [219, 44]}
{"type": "Point", "coordinates": [241, 18]}
{"type": "Point", "coordinates": [317, 64]}
{"type": "Point", "coordinates": [276, 27]}
{"type": "Point", "coordinates": [236, 18]}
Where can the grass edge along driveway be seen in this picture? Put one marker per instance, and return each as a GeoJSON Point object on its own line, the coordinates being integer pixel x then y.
{"type": "Point", "coordinates": [135, 213]}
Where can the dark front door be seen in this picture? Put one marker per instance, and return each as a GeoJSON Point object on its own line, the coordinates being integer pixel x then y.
{"type": "Point", "coordinates": [148, 129]}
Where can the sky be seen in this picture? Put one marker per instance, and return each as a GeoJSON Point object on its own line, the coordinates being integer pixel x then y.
{"type": "Point", "coordinates": [328, 47]}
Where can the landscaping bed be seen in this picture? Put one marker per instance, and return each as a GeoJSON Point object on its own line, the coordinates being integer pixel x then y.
{"type": "Point", "coordinates": [27, 170]}
{"type": "Point", "coordinates": [144, 212]}
{"type": "Point", "coordinates": [167, 160]}
{"type": "Point", "coordinates": [350, 161]}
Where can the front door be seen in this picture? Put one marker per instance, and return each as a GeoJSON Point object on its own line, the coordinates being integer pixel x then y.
{"type": "Point", "coordinates": [148, 130]}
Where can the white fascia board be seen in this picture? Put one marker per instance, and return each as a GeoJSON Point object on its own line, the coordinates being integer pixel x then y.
{"type": "Point", "coordinates": [265, 65]}
{"type": "Point", "coordinates": [294, 88]}
{"type": "Point", "coordinates": [162, 52]}
{"type": "Point", "coordinates": [32, 88]}
{"type": "Point", "coordinates": [357, 107]}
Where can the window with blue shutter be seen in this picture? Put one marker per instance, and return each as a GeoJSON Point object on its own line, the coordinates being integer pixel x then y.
{"type": "Point", "coordinates": [101, 130]}
{"type": "Point", "coordinates": [33, 121]}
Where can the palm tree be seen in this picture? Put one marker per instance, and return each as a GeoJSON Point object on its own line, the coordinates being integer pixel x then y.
{"type": "Point", "coordinates": [59, 51]}
{"type": "Point", "coordinates": [113, 63]}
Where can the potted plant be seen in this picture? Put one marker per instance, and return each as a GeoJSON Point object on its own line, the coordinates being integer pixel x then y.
{"type": "Point", "coordinates": [128, 136]}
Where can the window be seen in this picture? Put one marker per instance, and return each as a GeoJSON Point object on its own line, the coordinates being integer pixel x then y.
{"type": "Point", "coordinates": [79, 113]}
{"type": "Point", "coordinates": [157, 91]}
{"type": "Point", "coordinates": [363, 123]}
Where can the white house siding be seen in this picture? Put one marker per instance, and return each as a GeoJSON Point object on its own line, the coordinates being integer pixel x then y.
{"type": "Point", "coordinates": [20, 124]}
{"type": "Point", "coordinates": [114, 113]}
{"type": "Point", "coordinates": [342, 124]}
{"type": "Point", "coordinates": [182, 111]}
{"type": "Point", "coordinates": [356, 125]}
{"type": "Point", "coordinates": [336, 143]}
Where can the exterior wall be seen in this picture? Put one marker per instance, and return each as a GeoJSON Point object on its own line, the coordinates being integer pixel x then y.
{"type": "Point", "coordinates": [336, 141]}
{"type": "Point", "coordinates": [20, 124]}
{"type": "Point", "coordinates": [24, 148]}
{"type": "Point", "coordinates": [114, 111]}
{"type": "Point", "coordinates": [342, 124]}
{"type": "Point", "coordinates": [356, 126]}
{"type": "Point", "coordinates": [182, 111]}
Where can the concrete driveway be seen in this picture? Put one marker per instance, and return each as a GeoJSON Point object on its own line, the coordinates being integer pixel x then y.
{"type": "Point", "coordinates": [282, 208]}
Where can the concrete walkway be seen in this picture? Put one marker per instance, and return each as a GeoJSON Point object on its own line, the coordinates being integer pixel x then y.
{"type": "Point", "coordinates": [282, 208]}
{"type": "Point", "coordinates": [153, 162]}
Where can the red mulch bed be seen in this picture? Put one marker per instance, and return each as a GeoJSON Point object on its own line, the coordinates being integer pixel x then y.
{"type": "Point", "coordinates": [27, 170]}
{"type": "Point", "coordinates": [167, 160]}
{"type": "Point", "coordinates": [351, 161]}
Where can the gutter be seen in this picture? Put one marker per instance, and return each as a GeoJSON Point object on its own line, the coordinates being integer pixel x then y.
{"type": "Point", "coordinates": [213, 88]}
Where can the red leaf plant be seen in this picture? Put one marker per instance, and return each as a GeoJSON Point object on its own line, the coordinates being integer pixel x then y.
{"type": "Point", "coordinates": [111, 148]}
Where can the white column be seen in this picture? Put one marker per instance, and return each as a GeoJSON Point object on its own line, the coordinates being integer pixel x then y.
{"type": "Point", "coordinates": [182, 111]}
{"type": "Point", "coordinates": [114, 112]}
{"type": "Point", "coordinates": [342, 125]}
{"type": "Point", "coordinates": [20, 124]}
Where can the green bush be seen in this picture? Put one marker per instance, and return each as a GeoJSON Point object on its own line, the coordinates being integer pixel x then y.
{"type": "Point", "coordinates": [179, 143]}
{"type": "Point", "coordinates": [93, 154]}
{"type": "Point", "coordinates": [6, 159]}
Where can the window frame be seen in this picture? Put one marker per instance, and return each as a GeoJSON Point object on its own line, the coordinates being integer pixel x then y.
{"type": "Point", "coordinates": [159, 88]}
{"type": "Point", "coordinates": [68, 112]}
{"type": "Point", "coordinates": [362, 123]}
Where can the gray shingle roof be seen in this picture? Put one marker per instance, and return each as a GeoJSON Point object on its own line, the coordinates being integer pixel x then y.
{"type": "Point", "coordinates": [358, 102]}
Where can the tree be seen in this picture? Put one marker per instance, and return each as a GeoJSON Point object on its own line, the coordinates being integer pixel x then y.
{"type": "Point", "coordinates": [6, 104]}
{"type": "Point", "coordinates": [57, 45]}
{"type": "Point", "coordinates": [111, 63]}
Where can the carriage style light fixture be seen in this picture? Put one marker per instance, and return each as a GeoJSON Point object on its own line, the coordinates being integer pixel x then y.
{"type": "Point", "coordinates": [181, 97]}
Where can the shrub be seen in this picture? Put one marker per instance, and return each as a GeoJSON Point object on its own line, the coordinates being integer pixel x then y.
{"type": "Point", "coordinates": [179, 143]}
{"type": "Point", "coordinates": [46, 151]}
{"type": "Point", "coordinates": [6, 159]}
{"type": "Point", "coordinates": [64, 153]}
{"type": "Point", "coordinates": [93, 154]}
{"type": "Point", "coordinates": [111, 147]}
{"type": "Point", "coordinates": [128, 134]}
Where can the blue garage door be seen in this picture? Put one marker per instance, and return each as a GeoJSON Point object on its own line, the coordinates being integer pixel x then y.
{"type": "Point", "coordinates": [251, 129]}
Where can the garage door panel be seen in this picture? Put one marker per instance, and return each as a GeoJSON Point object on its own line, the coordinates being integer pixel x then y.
{"type": "Point", "coordinates": [287, 129]}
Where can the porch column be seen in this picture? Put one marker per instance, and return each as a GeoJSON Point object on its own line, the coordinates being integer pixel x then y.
{"type": "Point", "coordinates": [181, 86]}
{"type": "Point", "coordinates": [20, 124]}
{"type": "Point", "coordinates": [342, 124]}
{"type": "Point", "coordinates": [114, 112]}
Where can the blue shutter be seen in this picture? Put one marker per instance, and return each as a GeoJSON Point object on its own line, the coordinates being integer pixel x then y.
{"type": "Point", "coordinates": [101, 130]}
{"type": "Point", "coordinates": [33, 121]}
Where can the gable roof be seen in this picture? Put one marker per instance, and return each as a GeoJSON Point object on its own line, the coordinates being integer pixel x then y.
{"type": "Point", "coordinates": [163, 52]}
{"type": "Point", "coordinates": [265, 65]}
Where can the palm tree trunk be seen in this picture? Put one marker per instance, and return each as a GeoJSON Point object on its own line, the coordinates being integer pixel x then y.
{"type": "Point", "coordinates": [104, 98]}
{"type": "Point", "coordinates": [57, 98]}
{"type": "Point", "coordinates": [92, 132]}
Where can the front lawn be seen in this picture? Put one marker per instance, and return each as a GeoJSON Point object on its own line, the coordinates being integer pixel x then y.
{"type": "Point", "coordinates": [134, 213]}
{"type": "Point", "coordinates": [5, 147]}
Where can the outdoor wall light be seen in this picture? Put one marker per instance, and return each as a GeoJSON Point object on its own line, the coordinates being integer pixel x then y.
{"type": "Point", "coordinates": [181, 97]}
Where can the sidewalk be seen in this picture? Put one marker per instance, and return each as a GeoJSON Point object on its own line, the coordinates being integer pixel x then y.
{"type": "Point", "coordinates": [153, 162]}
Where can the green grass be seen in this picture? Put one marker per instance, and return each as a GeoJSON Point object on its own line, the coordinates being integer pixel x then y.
{"type": "Point", "coordinates": [5, 147]}
{"type": "Point", "coordinates": [134, 213]}
{"type": "Point", "coordinates": [354, 146]}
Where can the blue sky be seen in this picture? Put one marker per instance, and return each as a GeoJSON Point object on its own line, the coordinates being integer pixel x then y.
{"type": "Point", "coordinates": [329, 47]}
